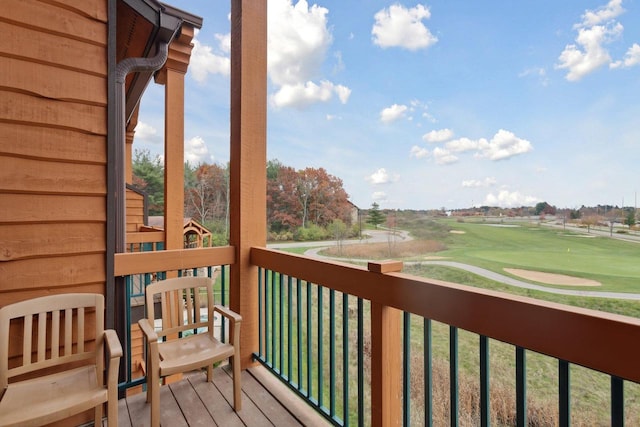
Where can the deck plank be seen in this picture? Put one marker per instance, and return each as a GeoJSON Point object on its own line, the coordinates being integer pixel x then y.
{"type": "Point", "coordinates": [250, 414]}
{"type": "Point", "coordinates": [170, 413]}
{"type": "Point", "coordinates": [275, 412]}
{"type": "Point", "coordinates": [193, 401]}
{"type": "Point", "coordinates": [221, 411]}
{"type": "Point", "coordinates": [195, 412]}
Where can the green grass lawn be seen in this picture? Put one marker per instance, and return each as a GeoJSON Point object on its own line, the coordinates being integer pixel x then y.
{"type": "Point", "coordinates": [614, 263]}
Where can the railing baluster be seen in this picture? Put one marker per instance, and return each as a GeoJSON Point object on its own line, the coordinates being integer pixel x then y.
{"type": "Point", "coordinates": [360, 362]}
{"type": "Point", "coordinates": [345, 359]}
{"type": "Point", "coordinates": [485, 405]}
{"type": "Point", "coordinates": [273, 321]}
{"type": "Point", "coordinates": [260, 325]}
{"type": "Point", "coordinates": [289, 321]}
{"type": "Point", "coordinates": [281, 322]}
{"type": "Point", "coordinates": [617, 402]}
{"type": "Point", "coordinates": [299, 329]}
{"type": "Point", "coordinates": [453, 375]}
{"type": "Point", "coordinates": [309, 343]}
{"type": "Point", "coordinates": [320, 350]}
{"type": "Point", "coordinates": [267, 322]}
{"type": "Point", "coordinates": [223, 279]}
{"type": "Point", "coordinates": [428, 369]}
{"type": "Point", "coordinates": [564, 396]}
{"type": "Point", "coordinates": [332, 353]}
{"type": "Point", "coordinates": [406, 369]}
{"type": "Point", "coordinates": [521, 387]}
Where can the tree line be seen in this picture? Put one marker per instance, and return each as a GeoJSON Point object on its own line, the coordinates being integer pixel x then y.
{"type": "Point", "coordinates": [303, 204]}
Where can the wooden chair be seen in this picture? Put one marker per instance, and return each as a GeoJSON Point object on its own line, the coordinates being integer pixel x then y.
{"type": "Point", "coordinates": [65, 373]}
{"type": "Point", "coordinates": [184, 345]}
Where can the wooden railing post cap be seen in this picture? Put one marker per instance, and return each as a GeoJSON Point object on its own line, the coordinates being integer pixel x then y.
{"type": "Point", "coordinates": [387, 266]}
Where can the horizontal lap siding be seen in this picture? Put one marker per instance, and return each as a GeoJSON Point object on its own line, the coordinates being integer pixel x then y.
{"type": "Point", "coordinates": [53, 147]}
{"type": "Point", "coordinates": [135, 211]}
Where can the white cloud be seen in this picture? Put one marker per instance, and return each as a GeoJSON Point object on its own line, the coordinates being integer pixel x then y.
{"type": "Point", "coordinates": [302, 95]}
{"type": "Point", "coordinates": [196, 151]}
{"type": "Point", "coordinates": [461, 145]}
{"type": "Point", "coordinates": [298, 41]}
{"type": "Point", "coordinates": [444, 156]}
{"type": "Point", "coordinates": [393, 113]}
{"type": "Point", "coordinates": [503, 145]}
{"type": "Point", "coordinates": [631, 58]}
{"type": "Point", "coordinates": [224, 41]}
{"type": "Point", "coordinates": [440, 135]}
{"type": "Point", "coordinates": [597, 29]}
{"type": "Point", "coordinates": [398, 26]}
{"type": "Point", "coordinates": [419, 152]}
{"type": "Point", "coordinates": [590, 54]}
{"type": "Point", "coordinates": [474, 183]}
{"type": "Point", "coordinates": [612, 10]}
{"type": "Point", "coordinates": [204, 61]}
{"type": "Point", "coordinates": [507, 199]}
{"type": "Point", "coordinates": [379, 196]}
{"type": "Point", "coordinates": [381, 176]}
{"type": "Point", "coordinates": [145, 131]}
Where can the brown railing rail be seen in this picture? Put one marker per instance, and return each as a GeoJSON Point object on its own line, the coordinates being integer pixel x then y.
{"type": "Point", "coordinates": [178, 259]}
{"type": "Point", "coordinates": [597, 340]}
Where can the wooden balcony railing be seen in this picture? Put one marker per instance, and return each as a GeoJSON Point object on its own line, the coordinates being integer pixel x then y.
{"type": "Point", "coordinates": [299, 295]}
{"type": "Point", "coordinates": [344, 337]}
{"type": "Point", "coordinates": [144, 265]}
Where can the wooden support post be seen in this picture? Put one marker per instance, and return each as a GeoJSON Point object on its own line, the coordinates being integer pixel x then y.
{"type": "Point", "coordinates": [248, 159]}
{"type": "Point", "coordinates": [172, 76]}
{"type": "Point", "coordinates": [386, 357]}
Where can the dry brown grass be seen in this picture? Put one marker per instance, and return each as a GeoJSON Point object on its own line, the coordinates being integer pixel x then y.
{"type": "Point", "coordinates": [391, 249]}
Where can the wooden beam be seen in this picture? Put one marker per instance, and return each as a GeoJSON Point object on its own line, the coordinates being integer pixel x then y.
{"type": "Point", "coordinates": [171, 260]}
{"type": "Point", "coordinates": [386, 366]}
{"type": "Point", "coordinates": [248, 160]}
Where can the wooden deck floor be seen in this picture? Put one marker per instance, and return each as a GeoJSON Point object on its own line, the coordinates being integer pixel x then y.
{"type": "Point", "coordinates": [193, 401]}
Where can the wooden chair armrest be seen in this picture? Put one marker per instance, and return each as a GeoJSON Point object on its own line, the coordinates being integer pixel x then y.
{"type": "Point", "coordinates": [113, 344]}
{"type": "Point", "coordinates": [147, 329]}
{"type": "Point", "coordinates": [231, 315]}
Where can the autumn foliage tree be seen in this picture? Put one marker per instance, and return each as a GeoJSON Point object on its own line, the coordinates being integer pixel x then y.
{"type": "Point", "coordinates": [298, 198]}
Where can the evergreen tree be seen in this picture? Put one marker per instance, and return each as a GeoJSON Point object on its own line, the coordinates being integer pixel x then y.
{"type": "Point", "coordinates": [375, 217]}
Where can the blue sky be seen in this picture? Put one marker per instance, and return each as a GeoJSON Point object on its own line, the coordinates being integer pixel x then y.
{"type": "Point", "coordinates": [434, 104]}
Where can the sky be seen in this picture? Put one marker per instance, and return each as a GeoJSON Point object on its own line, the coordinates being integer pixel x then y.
{"type": "Point", "coordinates": [428, 105]}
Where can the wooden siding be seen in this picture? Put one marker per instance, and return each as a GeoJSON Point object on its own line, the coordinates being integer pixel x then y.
{"type": "Point", "coordinates": [53, 127]}
{"type": "Point", "coordinates": [135, 211]}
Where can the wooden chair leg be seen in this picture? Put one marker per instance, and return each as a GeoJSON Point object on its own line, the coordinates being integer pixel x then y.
{"type": "Point", "coordinates": [155, 399]}
{"type": "Point", "coordinates": [237, 390]}
{"type": "Point", "coordinates": [97, 417]}
{"type": "Point", "coordinates": [210, 373]}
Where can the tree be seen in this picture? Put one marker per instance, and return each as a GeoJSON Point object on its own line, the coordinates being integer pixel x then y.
{"type": "Point", "coordinates": [375, 217]}
{"type": "Point", "coordinates": [148, 175]}
{"type": "Point", "coordinates": [298, 198]}
{"type": "Point", "coordinates": [630, 219]}
{"type": "Point", "coordinates": [338, 230]}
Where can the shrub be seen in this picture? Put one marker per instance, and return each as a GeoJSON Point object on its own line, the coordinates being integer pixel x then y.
{"type": "Point", "coordinates": [310, 233]}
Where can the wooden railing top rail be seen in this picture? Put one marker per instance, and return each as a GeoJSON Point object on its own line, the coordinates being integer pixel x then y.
{"type": "Point", "coordinates": [170, 260]}
{"type": "Point", "coordinates": [602, 341]}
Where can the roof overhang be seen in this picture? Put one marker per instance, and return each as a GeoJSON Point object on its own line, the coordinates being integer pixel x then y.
{"type": "Point", "coordinates": [141, 25]}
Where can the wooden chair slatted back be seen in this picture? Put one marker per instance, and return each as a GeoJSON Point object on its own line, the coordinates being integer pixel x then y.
{"type": "Point", "coordinates": [39, 320]}
{"type": "Point", "coordinates": [181, 300]}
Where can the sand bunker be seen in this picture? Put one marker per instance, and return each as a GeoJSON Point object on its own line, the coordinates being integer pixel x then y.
{"type": "Point", "coordinates": [457, 232]}
{"type": "Point", "coordinates": [434, 258]}
{"type": "Point", "coordinates": [551, 278]}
